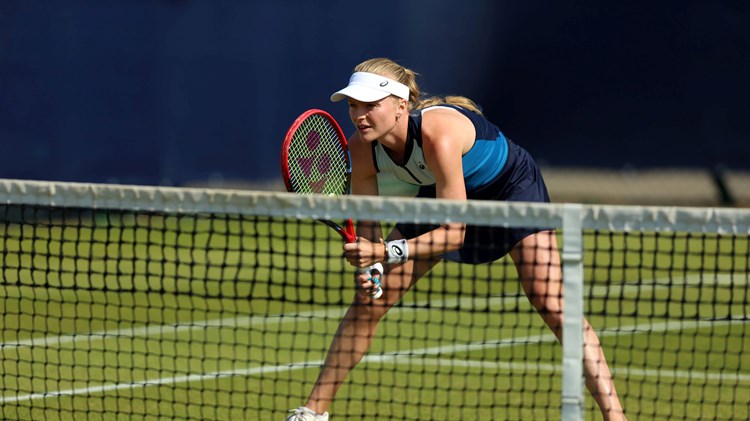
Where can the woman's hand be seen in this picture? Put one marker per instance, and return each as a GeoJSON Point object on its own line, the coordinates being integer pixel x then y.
{"type": "Point", "coordinates": [369, 281]}
{"type": "Point", "coordinates": [364, 253]}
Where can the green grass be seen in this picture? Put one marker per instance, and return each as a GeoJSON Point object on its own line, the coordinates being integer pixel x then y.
{"type": "Point", "coordinates": [119, 315]}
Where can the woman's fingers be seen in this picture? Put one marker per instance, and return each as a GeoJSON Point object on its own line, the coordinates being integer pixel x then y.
{"type": "Point", "coordinates": [366, 283]}
{"type": "Point", "coordinates": [360, 253]}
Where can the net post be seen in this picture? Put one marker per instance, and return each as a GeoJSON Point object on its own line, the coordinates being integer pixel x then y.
{"type": "Point", "coordinates": [572, 334]}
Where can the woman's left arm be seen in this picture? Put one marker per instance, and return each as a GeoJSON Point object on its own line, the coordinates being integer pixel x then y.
{"type": "Point", "coordinates": [445, 136]}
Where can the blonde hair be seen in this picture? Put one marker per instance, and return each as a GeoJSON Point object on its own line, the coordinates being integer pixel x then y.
{"type": "Point", "coordinates": [389, 68]}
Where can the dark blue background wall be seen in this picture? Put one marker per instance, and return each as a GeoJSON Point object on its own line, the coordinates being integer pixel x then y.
{"type": "Point", "coordinates": [177, 91]}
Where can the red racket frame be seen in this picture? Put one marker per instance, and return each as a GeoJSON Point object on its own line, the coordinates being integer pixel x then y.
{"type": "Point", "coordinates": [346, 232]}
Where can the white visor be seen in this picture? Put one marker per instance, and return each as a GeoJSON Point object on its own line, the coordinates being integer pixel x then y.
{"type": "Point", "coordinates": [369, 87]}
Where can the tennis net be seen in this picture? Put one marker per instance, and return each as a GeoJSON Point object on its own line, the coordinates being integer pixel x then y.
{"type": "Point", "coordinates": [184, 303]}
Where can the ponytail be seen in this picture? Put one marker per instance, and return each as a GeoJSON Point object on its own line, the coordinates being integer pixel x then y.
{"type": "Point", "coordinates": [459, 101]}
{"type": "Point", "coordinates": [389, 68]}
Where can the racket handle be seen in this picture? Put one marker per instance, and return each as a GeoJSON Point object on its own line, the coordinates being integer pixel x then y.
{"type": "Point", "coordinates": [368, 270]}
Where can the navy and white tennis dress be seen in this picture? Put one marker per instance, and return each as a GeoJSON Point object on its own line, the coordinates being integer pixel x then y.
{"type": "Point", "coordinates": [494, 169]}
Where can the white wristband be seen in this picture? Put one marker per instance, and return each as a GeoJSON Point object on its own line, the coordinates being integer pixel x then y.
{"type": "Point", "coordinates": [396, 251]}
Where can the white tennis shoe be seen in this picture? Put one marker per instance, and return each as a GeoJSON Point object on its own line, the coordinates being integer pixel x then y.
{"type": "Point", "coordinates": [306, 414]}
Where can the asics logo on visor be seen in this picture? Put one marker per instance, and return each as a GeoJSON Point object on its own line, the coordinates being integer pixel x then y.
{"type": "Point", "coordinates": [383, 83]}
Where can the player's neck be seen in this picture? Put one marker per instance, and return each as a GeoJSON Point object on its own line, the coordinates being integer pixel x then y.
{"type": "Point", "coordinates": [395, 139]}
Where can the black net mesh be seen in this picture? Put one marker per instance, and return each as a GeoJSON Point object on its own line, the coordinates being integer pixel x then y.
{"type": "Point", "coordinates": [200, 315]}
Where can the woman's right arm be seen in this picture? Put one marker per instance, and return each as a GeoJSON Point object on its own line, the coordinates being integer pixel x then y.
{"type": "Point", "coordinates": [364, 183]}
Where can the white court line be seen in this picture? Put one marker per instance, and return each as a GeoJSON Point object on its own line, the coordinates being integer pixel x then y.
{"type": "Point", "coordinates": [400, 357]}
{"type": "Point", "coordinates": [161, 330]}
{"type": "Point", "coordinates": [248, 321]}
{"type": "Point", "coordinates": [517, 367]}
{"type": "Point", "coordinates": [245, 321]}
{"type": "Point", "coordinates": [391, 356]}
{"type": "Point", "coordinates": [186, 327]}
{"type": "Point", "coordinates": [399, 360]}
{"type": "Point", "coordinates": [160, 381]}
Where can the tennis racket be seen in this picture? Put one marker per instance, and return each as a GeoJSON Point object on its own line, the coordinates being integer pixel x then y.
{"type": "Point", "coordinates": [315, 159]}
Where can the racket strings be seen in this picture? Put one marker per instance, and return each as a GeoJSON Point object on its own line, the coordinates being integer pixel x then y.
{"type": "Point", "coordinates": [318, 161]}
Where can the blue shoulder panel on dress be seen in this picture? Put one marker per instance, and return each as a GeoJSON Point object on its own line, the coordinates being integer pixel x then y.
{"type": "Point", "coordinates": [481, 164]}
{"type": "Point", "coordinates": [484, 161]}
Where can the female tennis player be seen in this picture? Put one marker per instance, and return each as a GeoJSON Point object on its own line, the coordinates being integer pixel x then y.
{"type": "Point", "coordinates": [447, 147]}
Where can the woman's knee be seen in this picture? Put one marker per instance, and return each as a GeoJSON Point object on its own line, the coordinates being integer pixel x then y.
{"type": "Point", "coordinates": [548, 308]}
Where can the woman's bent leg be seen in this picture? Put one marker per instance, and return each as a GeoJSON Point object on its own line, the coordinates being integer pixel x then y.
{"type": "Point", "coordinates": [537, 260]}
{"type": "Point", "coordinates": [357, 329]}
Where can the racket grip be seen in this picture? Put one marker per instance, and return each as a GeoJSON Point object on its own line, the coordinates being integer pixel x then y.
{"type": "Point", "coordinates": [378, 293]}
{"type": "Point", "coordinates": [368, 270]}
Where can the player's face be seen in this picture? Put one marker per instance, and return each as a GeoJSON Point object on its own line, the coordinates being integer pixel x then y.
{"type": "Point", "coordinates": [373, 119]}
